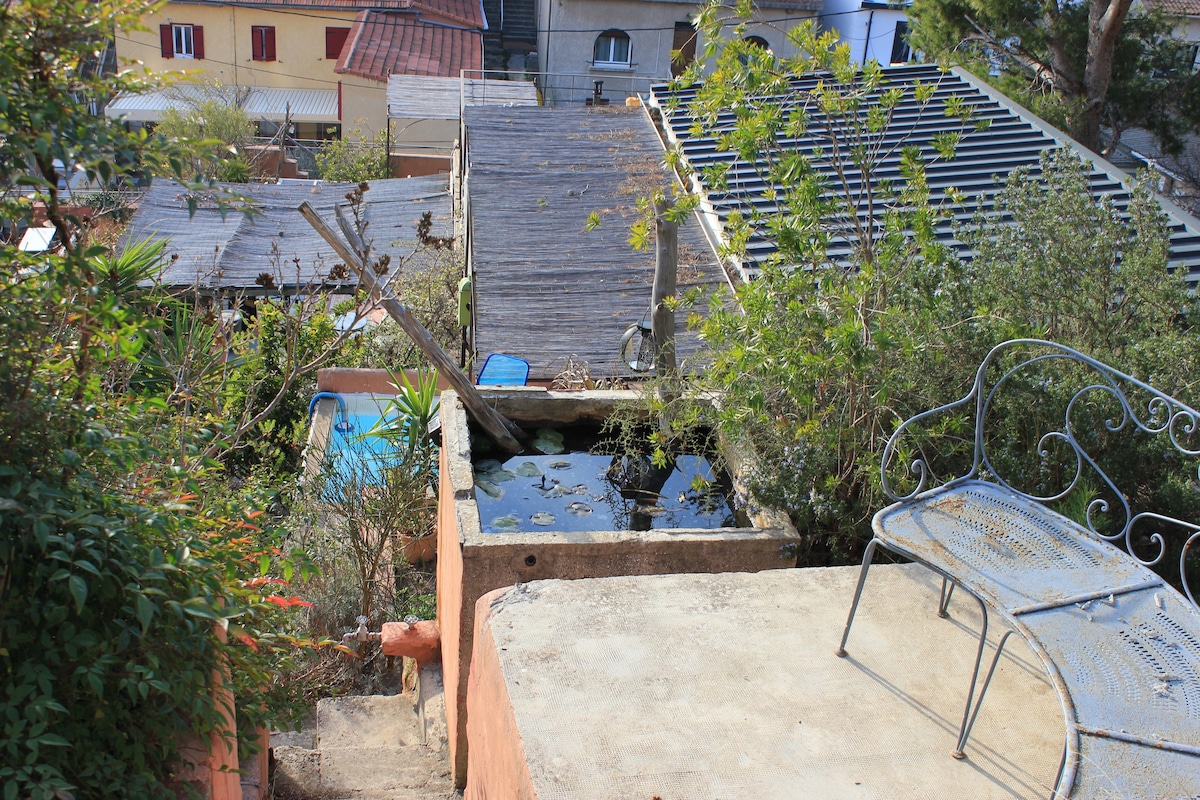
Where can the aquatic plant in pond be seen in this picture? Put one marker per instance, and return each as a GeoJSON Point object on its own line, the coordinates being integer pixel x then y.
{"type": "Point", "coordinates": [571, 489]}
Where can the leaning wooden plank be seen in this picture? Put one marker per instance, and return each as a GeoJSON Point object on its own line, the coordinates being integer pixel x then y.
{"type": "Point", "coordinates": [496, 425]}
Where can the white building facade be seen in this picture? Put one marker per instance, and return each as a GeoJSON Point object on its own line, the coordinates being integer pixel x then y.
{"type": "Point", "coordinates": [627, 44]}
{"type": "Point", "coordinates": [873, 30]}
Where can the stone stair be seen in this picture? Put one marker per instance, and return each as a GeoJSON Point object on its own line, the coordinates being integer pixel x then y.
{"type": "Point", "coordinates": [376, 747]}
{"type": "Point", "coordinates": [520, 22]}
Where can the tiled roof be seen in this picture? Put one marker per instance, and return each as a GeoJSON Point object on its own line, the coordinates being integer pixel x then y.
{"type": "Point", "coordinates": [546, 286]}
{"type": "Point", "coordinates": [793, 5]}
{"type": "Point", "coordinates": [1176, 8]}
{"type": "Point", "coordinates": [386, 43]}
{"type": "Point", "coordinates": [229, 251]}
{"type": "Point", "coordinates": [1013, 138]}
{"type": "Point", "coordinates": [338, 5]}
{"type": "Point", "coordinates": [462, 12]}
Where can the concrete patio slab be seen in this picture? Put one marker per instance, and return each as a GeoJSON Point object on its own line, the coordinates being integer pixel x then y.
{"type": "Point", "coordinates": [688, 687]}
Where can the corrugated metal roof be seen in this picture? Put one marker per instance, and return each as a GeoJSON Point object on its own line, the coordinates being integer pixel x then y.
{"type": "Point", "coordinates": [229, 252]}
{"type": "Point", "coordinates": [429, 97]}
{"type": "Point", "coordinates": [382, 44]}
{"type": "Point", "coordinates": [307, 105]}
{"type": "Point", "coordinates": [545, 287]}
{"type": "Point", "coordinates": [1015, 138]}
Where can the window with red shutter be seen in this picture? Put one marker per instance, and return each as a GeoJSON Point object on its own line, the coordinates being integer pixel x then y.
{"type": "Point", "coordinates": [181, 41]}
{"type": "Point", "coordinates": [165, 38]}
{"type": "Point", "coordinates": [262, 42]}
{"type": "Point", "coordinates": [335, 39]}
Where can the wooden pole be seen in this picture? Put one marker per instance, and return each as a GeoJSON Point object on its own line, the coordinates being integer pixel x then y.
{"type": "Point", "coordinates": [495, 424]}
{"type": "Point", "coordinates": [662, 317]}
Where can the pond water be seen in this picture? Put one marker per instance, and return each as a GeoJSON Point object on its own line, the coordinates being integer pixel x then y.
{"type": "Point", "coordinates": [579, 491]}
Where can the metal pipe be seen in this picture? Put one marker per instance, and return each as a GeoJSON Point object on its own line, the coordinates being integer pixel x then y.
{"type": "Point", "coordinates": [343, 426]}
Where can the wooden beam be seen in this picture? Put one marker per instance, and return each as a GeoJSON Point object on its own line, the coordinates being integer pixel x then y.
{"type": "Point", "coordinates": [495, 424]}
{"type": "Point", "coordinates": [666, 266]}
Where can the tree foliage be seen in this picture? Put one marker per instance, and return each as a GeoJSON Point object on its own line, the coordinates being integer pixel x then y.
{"type": "Point", "coordinates": [352, 159]}
{"type": "Point", "coordinates": [122, 548]}
{"type": "Point", "coordinates": [824, 354]}
{"type": "Point", "coordinates": [215, 129]}
{"type": "Point", "coordinates": [1082, 66]}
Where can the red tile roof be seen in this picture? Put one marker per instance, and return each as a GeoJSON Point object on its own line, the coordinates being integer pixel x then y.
{"type": "Point", "coordinates": [459, 12]}
{"type": "Point", "coordinates": [1177, 8]}
{"type": "Point", "coordinates": [386, 43]}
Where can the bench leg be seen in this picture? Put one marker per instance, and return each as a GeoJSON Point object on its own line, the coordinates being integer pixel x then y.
{"type": "Point", "coordinates": [862, 578]}
{"type": "Point", "coordinates": [944, 601]}
{"type": "Point", "coordinates": [969, 723]}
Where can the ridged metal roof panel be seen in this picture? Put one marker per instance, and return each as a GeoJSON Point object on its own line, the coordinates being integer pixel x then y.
{"type": "Point", "coordinates": [1012, 138]}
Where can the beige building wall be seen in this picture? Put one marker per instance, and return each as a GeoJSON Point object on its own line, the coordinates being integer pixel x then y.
{"type": "Point", "coordinates": [300, 54]}
{"type": "Point", "coordinates": [567, 32]}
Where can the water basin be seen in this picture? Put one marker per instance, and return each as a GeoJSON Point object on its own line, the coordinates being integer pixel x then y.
{"type": "Point", "coordinates": [578, 491]}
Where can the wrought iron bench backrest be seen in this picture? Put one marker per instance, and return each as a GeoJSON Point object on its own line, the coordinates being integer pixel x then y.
{"type": "Point", "coordinates": [1080, 410]}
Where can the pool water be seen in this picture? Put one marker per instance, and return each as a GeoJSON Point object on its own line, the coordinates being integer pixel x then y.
{"type": "Point", "coordinates": [354, 455]}
{"type": "Point", "coordinates": [578, 491]}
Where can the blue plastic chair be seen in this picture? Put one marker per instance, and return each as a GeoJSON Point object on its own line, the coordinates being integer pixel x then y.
{"type": "Point", "coordinates": [500, 369]}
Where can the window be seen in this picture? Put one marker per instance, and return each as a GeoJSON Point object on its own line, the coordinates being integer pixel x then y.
{"type": "Point", "coordinates": [901, 52]}
{"type": "Point", "coordinates": [181, 41]}
{"type": "Point", "coordinates": [262, 42]}
{"type": "Point", "coordinates": [335, 39]}
{"type": "Point", "coordinates": [758, 43]}
{"type": "Point", "coordinates": [683, 46]}
{"type": "Point", "coordinates": [612, 49]}
{"type": "Point", "coordinates": [182, 37]}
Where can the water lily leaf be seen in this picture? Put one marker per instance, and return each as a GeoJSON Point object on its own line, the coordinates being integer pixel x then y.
{"type": "Point", "coordinates": [507, 522]}
{"type": "Point", "coordinates": [580, 488]}
{"type": "Point", "coordinates": [579, 509]}
{"type": "Point", "coordinates": [542, 518]}
{"type": "Point", "coordinates": [529, 469]}
{"type": "Point", "coordinates": [499, 476]}
{"type": "Point", "coordinates": [553, 492]}
{"type": "Point", "coordinates": [490, 489]}
{"type": "Point", "coordinates": [548, 446]}
{"type": "Point", "coordinates": [550, 435]}
{"type": "Point", "coordinates": [560, 465]}
{"type": "Point", "coordinates": [488, 465]}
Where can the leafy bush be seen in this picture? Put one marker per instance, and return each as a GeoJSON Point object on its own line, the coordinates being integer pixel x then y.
{"type": "Point", "coordinates": [826, 353]}
{"type": "Point", "coordinates": [350, 161]}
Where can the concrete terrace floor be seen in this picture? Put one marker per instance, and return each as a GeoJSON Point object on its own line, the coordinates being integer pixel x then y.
{"type": "Point", "coordinates": [689, 687]}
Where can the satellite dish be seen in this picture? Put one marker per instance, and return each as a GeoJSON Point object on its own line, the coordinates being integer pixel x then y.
{"type": "Point", "coordinates": [637, 348]}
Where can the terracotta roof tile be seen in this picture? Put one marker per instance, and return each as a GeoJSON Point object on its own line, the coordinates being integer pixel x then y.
{"type": "Point", "coordinates": [382, 44]}
{"type": "Point", "coordinates": [459, 12]}
{"type": "Point", "coordinates": [1177, 8]}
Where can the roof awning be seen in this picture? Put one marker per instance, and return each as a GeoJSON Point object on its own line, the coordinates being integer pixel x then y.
{"type": "Point", "coordinates": [306, 105]}
{"type": "Point", "coordinates": [428, 97]}
{"type": "Point", "coordinates": [37, 240]}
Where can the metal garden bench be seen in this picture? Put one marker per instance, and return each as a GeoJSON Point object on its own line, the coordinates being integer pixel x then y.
{"type": "Point", "coordinates": [1119, 644]}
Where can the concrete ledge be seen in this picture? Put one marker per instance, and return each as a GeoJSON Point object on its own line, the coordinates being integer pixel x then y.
{"type": "Point", "coordinates": [344, 380]}
{"type": "Point", "coordinates": [727, 686]}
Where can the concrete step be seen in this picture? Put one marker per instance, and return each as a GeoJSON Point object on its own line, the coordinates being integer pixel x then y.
{"type": "Point", "coordinates": [378, 747]}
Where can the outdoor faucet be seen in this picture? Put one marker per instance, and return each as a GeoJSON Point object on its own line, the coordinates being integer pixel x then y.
{"type": "Point", "coordinates": [362, 634]}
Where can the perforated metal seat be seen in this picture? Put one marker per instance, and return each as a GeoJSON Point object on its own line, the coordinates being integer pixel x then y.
{"type": "Point", "coordinates": [1110, 769]}
{"type": "Point", "coordinates": [1013, 553]}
